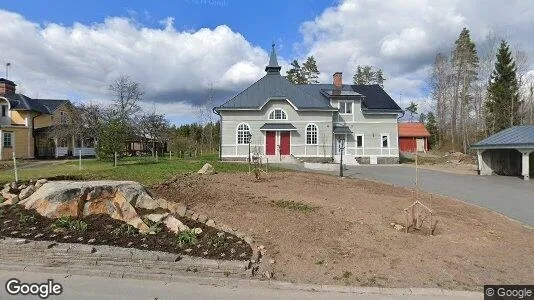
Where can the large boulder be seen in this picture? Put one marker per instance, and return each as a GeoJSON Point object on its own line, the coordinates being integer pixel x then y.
{"type": "Point", "coordinates": [206, 169]}
{"type": "Point", "coordinates": [118, 199]}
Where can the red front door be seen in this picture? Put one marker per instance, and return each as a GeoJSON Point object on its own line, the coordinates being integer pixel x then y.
{"type": "Point", "coordinates": [270, 143]}
{"type": "Point", "coordinates": [285, 141]}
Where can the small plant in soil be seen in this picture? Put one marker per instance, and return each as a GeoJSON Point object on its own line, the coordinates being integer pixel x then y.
{"type": "Point", "coordinates": [347, 274]}
{"type": "Point", "coordinates": [125, 229]}
{"type": "Point", "coordinates": [153, 227]}
{"type": "Point", "coordinates": [187, 237]}
{"type": "Point", "coordinates": [62, 222]}
{"type": "Point", "coordinates": [78, 226]}
{"type": "Point", "coordinates": [68, 223]}
{"type": "Point", "coordinates": [217, 242]}
{"type": "Point", "coordinates": [26, 219]}
{"type": "Point", "coordinates": [294, 206]}
{"type": "Point", "coordinates": [320, 262]}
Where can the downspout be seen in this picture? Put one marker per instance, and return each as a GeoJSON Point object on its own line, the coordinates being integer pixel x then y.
{"type": "Point", "coordinates": [33, 135]}
{"type": "Point", "coordinates": [220, 133]}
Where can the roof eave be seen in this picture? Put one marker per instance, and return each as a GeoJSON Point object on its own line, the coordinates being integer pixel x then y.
{"type": "Point", "coordinates": [502, 146]}
{"type": "Point", "coordinates": [382, 111]}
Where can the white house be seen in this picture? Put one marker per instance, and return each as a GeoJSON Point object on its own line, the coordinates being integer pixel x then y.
{"type": "Point", "coordinates": [280, 120]}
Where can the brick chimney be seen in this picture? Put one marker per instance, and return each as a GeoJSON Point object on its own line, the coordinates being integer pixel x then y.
{"type": "Point", "coordinates": [7, 86]}
{"type": "Point", "coordinates": [338, 80]}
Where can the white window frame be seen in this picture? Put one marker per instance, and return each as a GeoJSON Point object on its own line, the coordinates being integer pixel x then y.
{"type": "Point", "coordinates": [62, 118]}
{"type": "Point", "coordinates": [10, 140]}
{"type": "Point", "coordinates": [316, 134]}
{"type": "Point", "coordinates": [344, 102]}
{"type": "Point", "coordinates": [388, 139]}
{"type": "Point", "coordinates": [273, 113]}
{"type": "Point", "coordinates": [356, 141]}
{"type": "Point", "coordinates": [245, 138]}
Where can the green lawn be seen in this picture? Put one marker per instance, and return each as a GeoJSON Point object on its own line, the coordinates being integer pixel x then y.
{"type": "Point", "coordinates": [145, 170]}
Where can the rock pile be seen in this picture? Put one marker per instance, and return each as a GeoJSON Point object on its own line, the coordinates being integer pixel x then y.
{"type": "Point", "coordinates": [127, 201]}
{"type": "Point", "coordinates": [122, 200]}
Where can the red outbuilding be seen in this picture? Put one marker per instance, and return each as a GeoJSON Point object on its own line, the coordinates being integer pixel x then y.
{"type": "Point", "coordinates": [413, 136]}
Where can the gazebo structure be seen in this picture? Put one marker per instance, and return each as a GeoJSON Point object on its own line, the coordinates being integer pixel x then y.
{"type": "Point", "coordinates": [508, 152]}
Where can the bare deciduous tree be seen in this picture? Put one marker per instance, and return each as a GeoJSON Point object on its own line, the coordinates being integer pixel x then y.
{"type": "Point", "coordinates": [127, 95]}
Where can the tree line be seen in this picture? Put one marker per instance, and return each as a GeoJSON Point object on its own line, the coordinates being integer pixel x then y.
{"type": "Point", "coordinates": [308, 73]}
{"type": "Point", "coordinates": [476, 93]}
{"type": "Point", "coordinates": [111, 128]}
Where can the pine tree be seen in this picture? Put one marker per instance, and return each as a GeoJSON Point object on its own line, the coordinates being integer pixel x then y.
{"type": "Point", "coordinates": [431, 125]}
{"type": "Point", "coordinates": [412, 109]}
{"type": "Point", "coordinates": [310, 70]}
{"type": "Point", "coordinates": [465, 63]}
{"type": "Point", "coordinates": [295, 74]}
{"type": "Point", "coordinates": [379, 78]}
{"type": "Point", "coordinates": [503, 91]}
{"type": "Point", "coordinates": [357, 78]}
{"type": "Point", "coordinates": [367, 75]}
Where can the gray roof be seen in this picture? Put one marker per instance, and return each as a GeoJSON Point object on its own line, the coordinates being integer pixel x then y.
{"type": "Point", "coordinates": [278, 126]}
{"type": "Point", "coordinates": [513, 137]}
{"type": "Point", "coordinates": [274, 86]}
{"type": "Point", "coordinates": [374, 98]}
{"type": "Point", "coordinates": [342, 130]}
{"type": "Point", "coordinates": [3, 80]}
{"type": "Point", "coordinates": [22, 102]}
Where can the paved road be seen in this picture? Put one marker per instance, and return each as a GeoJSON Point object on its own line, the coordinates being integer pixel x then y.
{"type": "Point", "coordinates": [84, 287]}
{"type": "Point", "coordinates": [511, 196]}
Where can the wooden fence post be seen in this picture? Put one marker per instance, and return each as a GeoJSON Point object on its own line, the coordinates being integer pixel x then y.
{"type": "Point", "coordinates": [15, 167]}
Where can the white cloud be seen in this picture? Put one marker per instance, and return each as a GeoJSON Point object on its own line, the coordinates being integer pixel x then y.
{"type": "Point", "coordinates": [54, 60]}
{"type": "Point", "coordinates": [403, 36]}
{"type": "Point", "coordinates": [177, 67]}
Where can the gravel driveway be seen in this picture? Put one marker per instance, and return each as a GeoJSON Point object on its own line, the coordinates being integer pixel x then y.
{"type": "Point", "coordinates": [510, 196]}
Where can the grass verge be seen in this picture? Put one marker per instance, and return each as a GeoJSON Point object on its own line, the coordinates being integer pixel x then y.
{"type": "Point", "coordinates": [146, 170]}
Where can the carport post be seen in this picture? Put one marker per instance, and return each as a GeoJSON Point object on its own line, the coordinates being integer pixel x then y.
{"type": "Point", "coordinates": [525, 167]}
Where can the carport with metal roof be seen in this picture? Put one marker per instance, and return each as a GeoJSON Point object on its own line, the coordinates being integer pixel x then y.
{"type": "Point", "coordinates": [508, 152]}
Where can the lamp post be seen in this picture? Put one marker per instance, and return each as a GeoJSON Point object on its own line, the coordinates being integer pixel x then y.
{"type": "Point", "coordinates": [341, 148]}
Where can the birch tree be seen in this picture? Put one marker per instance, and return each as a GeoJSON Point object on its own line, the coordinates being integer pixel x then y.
{"type": "Point", "coordinates": [440, 84]}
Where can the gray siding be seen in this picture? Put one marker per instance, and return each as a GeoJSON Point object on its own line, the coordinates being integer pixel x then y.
{"type": "Point", "coordinates": [255, 119]}
{"type": "Point", "coordinates": [371, 126]}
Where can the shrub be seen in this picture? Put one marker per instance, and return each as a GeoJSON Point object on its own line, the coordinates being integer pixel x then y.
{"type": "Point", "coordinates": [113, 138]}
{"type": "Point", "coordinates": [187, 237]}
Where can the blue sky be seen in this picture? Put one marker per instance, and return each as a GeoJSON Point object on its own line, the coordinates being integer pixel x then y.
{"type": "Point", "coordinates": [179, 49]}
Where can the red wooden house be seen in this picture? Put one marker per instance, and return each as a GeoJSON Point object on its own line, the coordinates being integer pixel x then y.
{"type": "Point", "coordinates": [413, 136]}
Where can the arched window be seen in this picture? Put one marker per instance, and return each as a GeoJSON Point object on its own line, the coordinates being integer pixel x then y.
{"type": "Point", "coordinates": [278, 114]}
{"type": "Point", "coordinates": [311, 134]}
{"type": "Point", "coordinates": [243, 134]}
